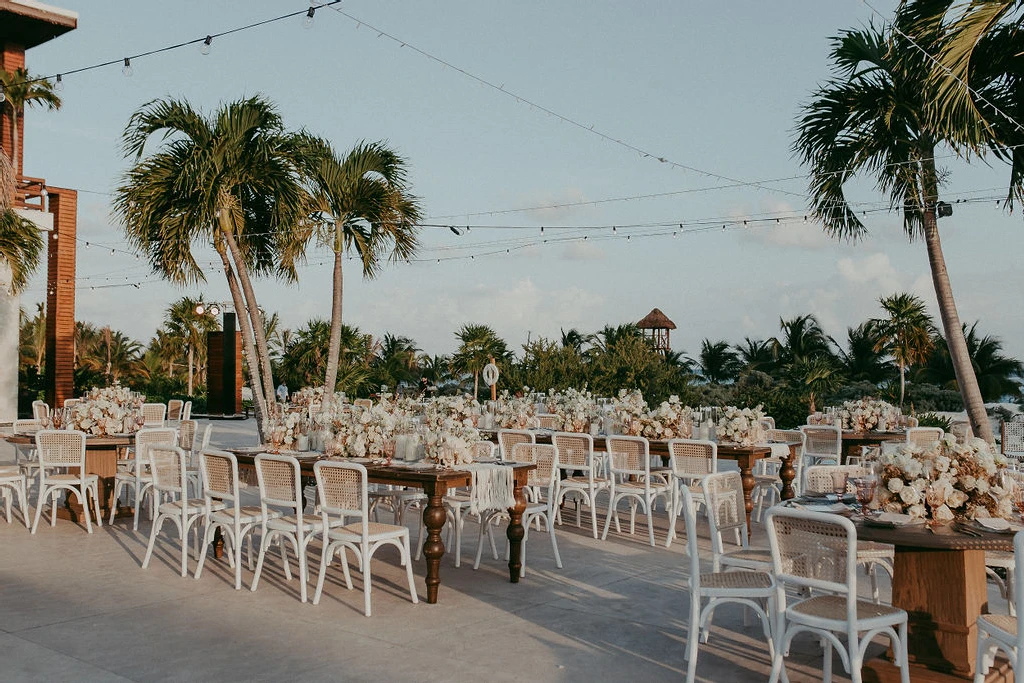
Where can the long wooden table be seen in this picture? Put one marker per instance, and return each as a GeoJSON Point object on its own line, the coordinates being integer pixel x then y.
{"type": "Point", "coordinates": [939, 579]}
{"type": "Point", "coordinates": [435, 483]}
{"type": "Point", "coordinates": [853, 441]}
{"type": "Point", "coordinates": [101, 454]}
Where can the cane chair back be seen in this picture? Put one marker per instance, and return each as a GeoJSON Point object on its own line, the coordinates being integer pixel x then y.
{"type": "Point", "coordinates": [174, 407]}
{"type": "Point", "coordinates": [508, 438]}
{"type": "Point", "coordinates": [484, 450]}
{"type": "Point", "coordinates": [767, 422]}
{"type": "Point", "coordinates": [364, 403]}
{"type": "Point", "coordinates": [40, 410]}
{"type": "Point", "coordinates": [961, 429]}
{"type": "Point", "coordinates": [547, 421]}
{"type": "Point", "coordinates": [59, 451]}
{"type": "Point", "coordinates": [576, 458]}
{"type": "Point", "coordinates": [186, 411]}
{"type": "Point", "coordinates": [187, 435]}
{"type": "Point", "coordinates": [26, 426]}
{"type": "Point", "coordinates": [71, 402]}
{"type": "Point", "coordinates": [148, 436]}
{"type": "Point", "coordinates": [220, 476]}
{"type": "Point", "coordinates": [813, 551]}
{"type": "Point", "coordinates": [60, 448]}
{"type": "Point", "coordinates": [727, 515]}
{"type": "Point", "coordinates": [154, 414]}
{"type": "Point", "coordinates": [629, 456]}
{"type": "Point", "coordinates": [692, 459]}
{"type": "Point", "coordinates": [167, 464]}
{"type": "Point", "coordinates": [925, 437]}
{"type": "Point", "coordinates": [819, 477]}
{"type": "Point", "coordinates": [822, 442]}
{"type": "Point", "coordinates": [344, 491]}
{"type": "Point", "coordinates": [280, 482]}
{"type": "Point", "coordinates": [575, 451]}
{"type": "Point", "coordinates": [1012, 433]}
{"type": "Point", "coordinates": [545, 456]}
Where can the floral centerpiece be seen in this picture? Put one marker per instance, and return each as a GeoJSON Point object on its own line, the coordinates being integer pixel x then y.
{"type": "Point", "coordinates": [868, 415]}
{"type": "Point", "coordinates": [307, 396]}
{"type": "Point", "coordinates": [575, 411]}
{"type": "Point", "coordinates": [364, 432]}
{"type": "Point", "coordinates": [740, 425]}
{"type": "Point", "coordinates": [945, 481]}
{"type": "Point", "coordinates": [459, 408]}
{"type": "Point", "coordinates": [101, 412]}
{"type": "Point", "coordinates": [451, 443]}
{"type": "Point", "coordinates": [629, 410]}
{"type": "Point", "coordinates": [670, 420]}
{"type": "Point", "coordinates": [512, 412]}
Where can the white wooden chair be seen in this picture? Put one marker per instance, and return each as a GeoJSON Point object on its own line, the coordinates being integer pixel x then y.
{"type": "Point", "coordinates": [61, 451]}
{"type": "Point", "coordinates": [542, 509]}
{"type": "Point", "coordinates": [280, 485]}
{"type": "Point", "coordinates": [629, 459]}
{"type": "Point", "coordinates": [753, 589]}
{"type": "Point", "coordinates": [186, 411]}
{"type": "Point", "coordinates": [582, 480]}
{"type": "Point", "coordinates": [342, 490]}
{"type": "Point", "coordinates": [136, 477]}
{"type": "Point", "coordinates": [167, 465]}
{"type": "Point", "coordinates": [1000, 631]}
{"type": "Point", "coordinates": [818, 551]}
{"type": "Point", "coordinates": [821, 445]}
{"type": "Point", "coordinates": [154, 414]}
{"type": "Point", "coordinates": [224, 510]}
{"type": "Point", "coordinates": [690, 460]}
{"type": "Point", "coordinates": [14, 484]}
{"type": "Point", "coordinates": [723, 497]}
{"type": "Point", "coordinates": [40, 410]}
{"type": "Point", "coordinates": [174, 407]}
{"type": "Point", "coordinates": [508, 438]}
{"type": "Point", "coordinates": [925, 437]}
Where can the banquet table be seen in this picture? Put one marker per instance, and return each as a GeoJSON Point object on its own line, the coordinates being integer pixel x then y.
{"type": "Point", "coordinates": [435, 482]}
{"type": "Point", "coordinates": [853, 440]}
{"type": "Point", "coordinates": [939, 579]}
{"type": "Point", "coordinates": [101, 454]}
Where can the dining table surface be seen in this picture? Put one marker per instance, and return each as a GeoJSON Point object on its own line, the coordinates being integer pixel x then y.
{"type": "Point", "coordinates": [436, 481]}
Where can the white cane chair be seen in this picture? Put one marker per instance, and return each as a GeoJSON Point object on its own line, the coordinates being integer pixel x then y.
{"type": "Point", "coordinates": [925, 437]}
{"type": "Point", "coordinates": [629, 460]}
{"type": "Point", "coordinates": [342, 488]}
{"type": "Point", "coordinates": [136, 476]}
{"type": "Point", "coordinates": [484, 450]}
{"type": "Point", "coordinates": [1000, 631]}
{"type": "Point", "coordinates": [508, 438]}
{"type": "Point", "coordinates": [576, 459]}
{"type": "Point", "coordinates": [25, 455]}
{"type": "Point", "coordinates": [1012, 440]}
{"type": "Point", "coordinates": [186, 411]}
{"type": "Point", "coordinates": [224, 510]}
{"type": "Point", "coordinates": [753, 589]}
{"type": "Point", "coordinates": [61, 451]}
{"type": "Point", "coordinates": [167, 465]}
{"type": "Point", "coordinates": [14, 484]}
{"type": "Point", "coordinates": [174, 407]}
{"type": "Point", "coordinates": [40, 410]}
{"type": "Point", "coordinates": [723, 497]}
{"type": "Point", "coordinates": [545, 479]}
{"type": "Point", "coordinates": [690, 460]}
{"type": "Point", "coordinates": [821, 445]}
{"type": "Point", "coordinates": [280, 485]}
{"type": "Point", "coordinates": [154, 414]}
{"type": "Point", "coordinates": [818, 551]}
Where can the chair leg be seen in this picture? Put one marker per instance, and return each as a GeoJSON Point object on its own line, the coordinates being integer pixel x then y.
{"type": "Point", "coordinates": [554, 543]}
{"type": "Point", "coordinates": [367, 581]}
{"type": "Point", "coordinates": [264, 543]}
{"type": "Point", "coordinates": [407, 561]}
{"type": "Point", "coordinates": [85, 507]}
{"type": "Point", "coordinates": [154, 530]}
{"type": "Point", "coordinates": [39, 507]}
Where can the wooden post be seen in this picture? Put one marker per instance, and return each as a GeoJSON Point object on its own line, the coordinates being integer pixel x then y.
{"type": "Point", "coordinates": [60, 296]}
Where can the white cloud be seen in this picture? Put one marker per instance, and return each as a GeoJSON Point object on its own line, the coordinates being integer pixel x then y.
{"type": "Point", "coordinates": [874, 270]}
{"type": "Point", "coordinates": [582, 251]}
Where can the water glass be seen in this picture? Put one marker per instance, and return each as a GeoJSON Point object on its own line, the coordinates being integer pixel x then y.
{"type": "Point", "coordinates": [839, 483]}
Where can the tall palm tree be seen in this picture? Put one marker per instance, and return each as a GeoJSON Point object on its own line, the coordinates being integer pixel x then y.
{"type": "Point", "coordinates": [361, 204]}
{"type": "Point", "coordinates": [21, 243]}
{"type": "Point", "coordinates": [232, 179]}
{"type": "Point", "coordinates": [906, 333]}
{"type": "Point", "coordinates": [802, 339]}
{"type": "Point", "coordinates": [756, 354]}
{"type": "Point", "coordinates": [476, 344]}
{"type": "Point", "coordinates": [21, 90]}
{"type": "Point", "coordinates": [718, 362]}
{"type": "Point", "coordinates": [576, 340]}
{"type": "Point", "coordinates": [870, 117]}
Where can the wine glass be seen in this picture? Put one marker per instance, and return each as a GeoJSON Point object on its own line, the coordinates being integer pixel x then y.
{"type": "Point", "coordinates": [865, 491]}
{"type": "Point", "coordinates": [839, 483]}
{"type": "Point", "coordinates": [1018, 499]}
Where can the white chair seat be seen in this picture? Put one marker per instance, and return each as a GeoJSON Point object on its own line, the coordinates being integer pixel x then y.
{"type": "Point", "coordinates": [833, 608]}
{"type": "Point", "coordinates": [742, 582]}
{"type": "Point", "coordinates": [353, 533]}
{"type": "Point", "coordinates": [10, 470]}
{"type": "Point", "coordinates": [192, 506]}
{"type": "Point", "coordinates": [577, 481]}
{"type": "Point", "coordinates": [289, 523]}
{"type": "Point", "coordinates": [1000, 625]}
{"type": "Point", "coordinates": [248, 514]}
{"type": "Point", "coordinates": [72, 478]}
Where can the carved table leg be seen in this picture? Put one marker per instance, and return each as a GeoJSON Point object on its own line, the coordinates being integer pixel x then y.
{"type": "Point", "coordinates": [434, 517]}
{"type": "Point", "coordinates": [749, 482]}
{"type": "Point", "coordinates": [516, 532]}
{"type": "Point", "coordinates": [788, 474]}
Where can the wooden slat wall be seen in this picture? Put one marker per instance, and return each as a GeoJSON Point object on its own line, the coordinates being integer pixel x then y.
{"type": "Point", "coordinates": [60, 298]}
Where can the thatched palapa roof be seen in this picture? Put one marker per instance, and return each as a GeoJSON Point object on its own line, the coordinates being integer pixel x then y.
{"type": "Point", "coordinates": [656, 320]}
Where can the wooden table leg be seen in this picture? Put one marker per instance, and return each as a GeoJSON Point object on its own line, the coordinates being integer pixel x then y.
{"type": "Point", "coordinates": [434, 517]}
{"type": "Point", "coordinates": [788, 474]}
{"type": "Point", "coordinates": [516, 532]}
{"type": "Point", "coordinates": [749, 482]}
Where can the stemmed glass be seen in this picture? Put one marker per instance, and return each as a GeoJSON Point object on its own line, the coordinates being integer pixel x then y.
{"type": "Point", "coordinates": [1018, 499]}
{"type": "Point", "coordinates": [865, 491]}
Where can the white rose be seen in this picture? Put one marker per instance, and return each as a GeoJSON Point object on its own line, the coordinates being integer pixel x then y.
{"type": "Point", "coordinates": [909, 495]}
{"type": "Point", "coordinates": [942, 514]}
{"type": "Point", "coordinates": [895, 485]}
{"type": "Point", "coordinates": [956, 498]}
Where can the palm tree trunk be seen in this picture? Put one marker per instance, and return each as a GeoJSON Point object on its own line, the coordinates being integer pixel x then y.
{"type": "Point", "coordinates": [191, 360]}
{"type": "Point", "coordinates": [958, 353]}
{"type": "Point", "coordinates": [259, 401]}
{"type": "Point", "coordinates": [14, 143]}
{"type": "Point", "coordinates": [476, 383]}
{"type": "Point", "coordinates": [334, 347]}
{"type": "Point", "coordinates": [903, 383]}
{"type": "Point", "coordinates": [255, 317]}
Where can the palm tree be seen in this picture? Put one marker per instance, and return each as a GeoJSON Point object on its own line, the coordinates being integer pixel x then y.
{"type": "Point", "coordinates": [360, 203]}
{"type": "Point", "coordinates": [231, 178]}
{"type": "Point", "coordinates": [21, 243]}
{"type": "Point", "coordinates": [756, 355]}
{"type": "Point", "coordinates": [191, 329]}
{"type": "Point", "coordinates": [802, 339]}
{"type": "Point", "coordinates": [606, 339]}
{"type": "Point", "coordinates": [305, 358]}
{"type": "Point", "coordinates": [575, 339]}
{"type": "Point", "coordinates": [395, 361]}
{"type": "Point", "coordinates": [718, 362]}
{"type": "Point", "coordinates": [998, 375]}
{"type": "Point", "coordinates": [906, 334]}
{"type": "Point", "coordinates": [477, 344]}
{"type": "Point", "coordinates": [871, 117]}
{"type": "Point", "coordinates": [21, 90]}
{"type": "Point", "coordinates": [861, 360]}
{"type": "Point", "coordinates": [33, 338]}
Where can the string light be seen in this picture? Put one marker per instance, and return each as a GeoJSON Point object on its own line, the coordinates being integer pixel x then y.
{"type": "Point", "coordinates": [207, 44]}
{"type": "Point", "coordinates": [308, 21]}
{"type": "Point", "coordinates": [59, 85]}
{"type": "Point", "coordinates": [127, 68]}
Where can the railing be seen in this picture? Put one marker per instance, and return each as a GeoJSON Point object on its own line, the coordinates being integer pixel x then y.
{"type": "Point", "coordinates": [30, 193]}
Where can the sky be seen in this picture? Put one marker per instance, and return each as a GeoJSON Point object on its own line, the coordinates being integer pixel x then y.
{"type": "Point", "coordinates": [514, 116]}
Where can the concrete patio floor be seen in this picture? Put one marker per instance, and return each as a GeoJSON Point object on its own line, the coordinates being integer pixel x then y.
{"type": "Point", "coordinates": [75, 606]}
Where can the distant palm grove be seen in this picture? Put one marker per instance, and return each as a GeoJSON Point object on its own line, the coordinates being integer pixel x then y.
{"type": "Point", "coordinates": [797, 369]}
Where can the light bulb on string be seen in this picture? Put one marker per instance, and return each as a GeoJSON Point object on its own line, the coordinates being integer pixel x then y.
{"type": "Point", "coordinates": [127, 68]}
{"type": "Point", "coordinates": [59, 85]}
{"type": "Point", "coordinates": [3, 98]}
{"type": "Point", "coordinates": [308, 21]}
{"type": "Point", "coordinates": [207, 44]}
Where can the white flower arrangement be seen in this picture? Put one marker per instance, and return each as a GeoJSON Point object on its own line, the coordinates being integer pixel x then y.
{"type": "Point", "coordinates": [459, 408]}
{"type": "Point", "coordinates": [511, 412]}
{"type": "Point", "coordinates": [450, 443]}
{"type": "Point", "coordinates": [670, 420]}
{"type": "Point", "coordinates": [103, 411]}
{"type": "Point", "coordinates": [867, 415]}
{"type": "Point", "coordinates": [740, 425]}
{"type": "Point", "coordinates": [945, 481]}
{"type": "Point", "coordinates": [364, 432]}
{"type": "Point", "coordinates": [574, 410]}
{"type": "Point", "coordinates": [307, 396]}
{"type": "Point", "coordinates": [629, 410]}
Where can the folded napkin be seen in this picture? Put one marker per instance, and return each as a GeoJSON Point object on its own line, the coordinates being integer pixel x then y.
{"type": "Point", "coordinates": [992, 523]}
{"type": "Point", "coordinates": [493, 487]}
{"type": "Point", "coordinates": [894, 518]}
